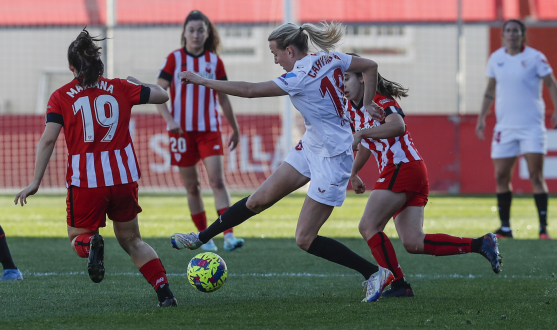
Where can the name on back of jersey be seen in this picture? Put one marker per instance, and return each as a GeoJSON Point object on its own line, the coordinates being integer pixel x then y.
{"type": "Point", "coordinates": [99, 84]}
{"type": "Point", "coordinates": [321, 62]}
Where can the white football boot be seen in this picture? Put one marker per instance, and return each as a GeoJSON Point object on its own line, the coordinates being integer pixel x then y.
{"type": "Point", "coordinates": [185, 241]}
{"type": "Point", "coordinates": [232, 243]}
{"type": "Point", "coordinates": [376, 283]}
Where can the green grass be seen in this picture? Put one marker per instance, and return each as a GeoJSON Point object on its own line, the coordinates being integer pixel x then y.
{"type": "Point", "coordinates": [272, 284]}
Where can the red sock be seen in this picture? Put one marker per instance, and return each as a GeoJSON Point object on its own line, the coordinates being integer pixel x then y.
{"type": "Point", "coordinates": [200, 221]}
{"type": "Point", "coordinates": [384, 253]}
{"type": "Point", "coordinates": [220, 212]}
{"type": "Point", "coordinates": [81, 244]}
{"type": "Point", "coordinates": [446, 245]}
{"type": "Point", "coordinates": [154, 273]}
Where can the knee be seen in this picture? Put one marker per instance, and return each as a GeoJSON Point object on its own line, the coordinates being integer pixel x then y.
{"type": "Point", "coordinates": [304, 241]}
{"type": "Point", "coordinates": [217, 183]}
{"type": "Point", "coordinates": [368, 230]}
{"type": "Point", "coordinates": [410, 247]}
{"type": "Point", "coordinates": [255, 204]}
{"type": "Point", "coordinates": [193, 188]}
{"type": "Point", "coordinates": [502, 177]}
{"type": "Point", "coordinates": [412, 244]}
{"type": "Point", "coordinates": [536, 177]}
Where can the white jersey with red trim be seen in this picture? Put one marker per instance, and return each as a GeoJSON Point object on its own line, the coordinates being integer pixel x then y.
{"type": "Point", "coordinates": [96, 126]}
{"type": "Point", "coordinates": [518, 89]}
{"type": "Point", "coordinates": [316, 88]}
{"type": "Point", "coordinates": [194, 107]}
{"type": "Point", "coordinates": [386, 151]}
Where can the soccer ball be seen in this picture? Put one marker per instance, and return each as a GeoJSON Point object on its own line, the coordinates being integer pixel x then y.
{"type": "Point", "coordinates": [207, 272]}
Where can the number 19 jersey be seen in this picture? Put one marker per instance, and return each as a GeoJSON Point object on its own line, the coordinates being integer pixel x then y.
{"type": "Point", "coordinates": [96, 126]}
{"type": "Point", "coordinates": [316, 88]}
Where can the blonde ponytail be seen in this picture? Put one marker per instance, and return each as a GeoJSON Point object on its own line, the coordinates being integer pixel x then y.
{"type": "Point", "coordinates": [324, 37]}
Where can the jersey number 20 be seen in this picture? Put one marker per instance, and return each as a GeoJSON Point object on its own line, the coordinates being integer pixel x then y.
{"type": "Point", "coordinates": [84, 105]}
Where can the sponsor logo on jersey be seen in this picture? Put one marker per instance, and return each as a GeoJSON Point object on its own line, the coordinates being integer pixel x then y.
{"type": "Point", "coordinates": [321, 191]}
{"type": "Point", "coordinates": [208, 75]}
{"type": "Point", "coordinates": [381, 180]}
{"type": "Point", "coordinates": [383, 101]}
{"type": "Point", "coordinates": [500, 63]}
{"type": "Point", "coordinates": [216, 147]}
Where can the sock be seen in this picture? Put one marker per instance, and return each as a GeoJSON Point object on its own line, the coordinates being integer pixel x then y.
{"type": "Point", "coordinates": [81, 244]}
{"type": "Point", "coordinates": [476, 244]}
{"type": "Point", "coordinates": [221, 212]}
{"type": "Point", "coordinates": [541, 204]}
{"type": "Point", "coordinates": [446, 245]}
{"type": "Point", "coordinates": [200, 221]}
{"type": "Point", "coordinates": [154, 273]}
{"type": "Point", "coordinates": [234, 215]}
{"type": "Point", "coordinates": [384, 253]}
{"type": "Point", "coordinates": [5, 256]}
{"type": "Point", "coordinates": [504, 206]}
{"type": "Point", "coordinates": [335, 251]}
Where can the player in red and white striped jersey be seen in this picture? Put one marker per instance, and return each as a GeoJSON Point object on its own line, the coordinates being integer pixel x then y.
{"type": "Point", "coordinates": [102, 166]}
{"type": "Point", "coordinates": [194, 123]}
{"type": "Point", "coordinates": [402, 189]}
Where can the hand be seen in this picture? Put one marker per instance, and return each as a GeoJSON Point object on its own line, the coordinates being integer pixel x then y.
{"type": "Point", "coordinates": [189, 77]}
{"type": "Point", "coordinates": [357, 184]}
{"type": "Point", "coordinates": [554, 120]}
{"type": "Point", "coordinates": [132, 79]}
{"type": "Point", "coordinates": [174, 127]}
{"type": "Point", "coordinates": [22, 196]}
{"type": "Point", "coordinates": [357, 139]}
{"type": "Point", "coordinates": [480, 129]}
{"type": "Point", "coordinates": [375, 111]}
{"type": "Point", "coordinates": [233, 140]}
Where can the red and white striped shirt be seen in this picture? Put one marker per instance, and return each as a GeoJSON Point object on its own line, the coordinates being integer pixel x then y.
{"type": "Point", "coordinates": [194, 107]}
{"type": "Point", "coordinates": [96, 125]}
{"type": "Point", "coordinates": [386, 151]}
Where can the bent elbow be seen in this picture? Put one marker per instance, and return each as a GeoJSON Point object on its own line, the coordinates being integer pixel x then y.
{"type": "Point", "coordinates": [401, 129]}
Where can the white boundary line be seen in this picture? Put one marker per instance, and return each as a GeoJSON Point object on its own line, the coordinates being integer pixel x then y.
{"type": "Point", "coordinates": [425, 276]}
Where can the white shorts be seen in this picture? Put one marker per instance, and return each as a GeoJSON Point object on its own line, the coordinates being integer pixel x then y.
{"type": "Point", "coordinates": [512, 142]}
{"type": "Point", "coordinates": [329, 175]}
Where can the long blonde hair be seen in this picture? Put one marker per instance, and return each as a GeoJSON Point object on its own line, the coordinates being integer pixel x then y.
{"type": "Point", "coordinates": [324, 37]}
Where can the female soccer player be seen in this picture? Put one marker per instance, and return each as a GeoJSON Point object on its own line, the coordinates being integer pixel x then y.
{"type": "Point", "coordinates": [315, 84]}
{"type": "Point", "coordinates": [193, 121]}
{"type": "Point", "coordinates": [102, 166]}
{"type": "Point", "coordinates": [515, 72]}
{"type": "Point", "coordinates": [402, 189]}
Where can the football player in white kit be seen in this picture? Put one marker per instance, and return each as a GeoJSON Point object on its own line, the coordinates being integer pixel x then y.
{"type": "Point", "coordinates": [315, 84]}
{"type": "Point", "coordinates": [515, 73]}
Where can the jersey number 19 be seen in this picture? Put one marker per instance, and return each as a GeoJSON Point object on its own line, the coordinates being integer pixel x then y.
{"type": "Point", "coordinates": [84, 105]}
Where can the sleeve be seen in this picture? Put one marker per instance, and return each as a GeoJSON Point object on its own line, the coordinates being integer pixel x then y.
{"type": "Point", "coordinates": [133, 91]}
{"type": "Point", "coordinates": [542, 66]}
{"type": "Point", "coordinates": [490, 71]}
{"type": "Point", "coordinates": [220, 72]}
{"type": "Point", "coordinates": [390, 106]}
{"type": "Point", "coordinates": [167, 69]}
{"type": "Point", "coordinates": [54, 111]}
{"type": "Point", "coordinates": [290, 82]}
{"type": "Point", "coordinates": [345, 59]}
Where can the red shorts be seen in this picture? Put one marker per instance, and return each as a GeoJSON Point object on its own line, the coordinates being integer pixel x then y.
{"type": "Point", "coordinates": [188, 149]}
{"type": "Point", "coordinates": [88, 207]}
{"type": "Point", "coordinates": [410, 178]}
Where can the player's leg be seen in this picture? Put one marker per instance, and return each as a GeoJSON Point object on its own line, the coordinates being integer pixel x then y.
{"type": "Point", "coordinates": [503, 174]}
{"type": "Point", "coordinates": [381, 206]}
{"type": "Point", "coordinates": [145, 259]}
{"type": "Point", "coordinates": [215, 173]}
{"type": "Point", "coordinates": [282, 182]}
{"type": "Point", "coordinates": [192, 182]}
{"type": "Point", "coordinates": [535, 169]}
{"type": "Point", "coordinates": [409, 224]}
{"type": "Point", "coordinates": [86, 213]}
{"type": "Point", "coordinates": [11, 272]}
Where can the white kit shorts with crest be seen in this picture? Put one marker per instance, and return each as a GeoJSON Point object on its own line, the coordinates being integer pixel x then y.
{"type": "Point", "coordinates": [329, 175]}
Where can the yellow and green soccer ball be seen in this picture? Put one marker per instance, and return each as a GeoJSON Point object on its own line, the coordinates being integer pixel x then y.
{"type": "Point", "coordinates": [207, 272]}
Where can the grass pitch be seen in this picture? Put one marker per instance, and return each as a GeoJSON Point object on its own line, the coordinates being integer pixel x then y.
{"type": "Point", "coordinates": [272, 284]}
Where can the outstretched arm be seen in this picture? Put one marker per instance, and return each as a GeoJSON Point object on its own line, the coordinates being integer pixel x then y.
{"type": "Point", "coordinates": [44, 151]}
{"type": "Point", "coordinates": [236, 88]}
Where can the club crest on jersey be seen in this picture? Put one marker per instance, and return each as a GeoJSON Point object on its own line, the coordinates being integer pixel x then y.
{"type": "Point", "coordinates": [208, 69]}
{"type": "Point", "coordinates": [500, 63]}
{"type": "Point", "coordinates": [177, 157]}
{"type": "Point", "coordinates": [524, 64]}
